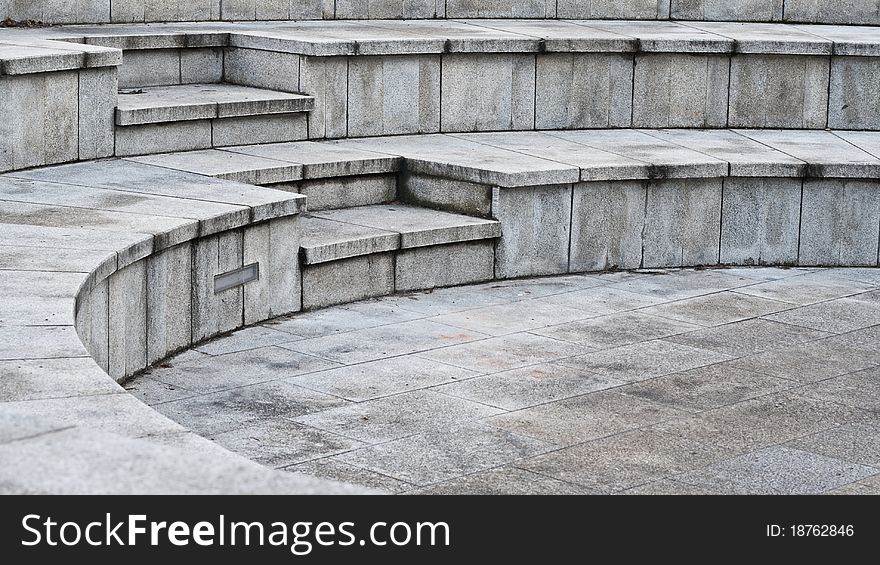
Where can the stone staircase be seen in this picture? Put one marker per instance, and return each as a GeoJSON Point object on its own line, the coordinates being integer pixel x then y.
{"type": "Point", "coordinates": [411, 146]}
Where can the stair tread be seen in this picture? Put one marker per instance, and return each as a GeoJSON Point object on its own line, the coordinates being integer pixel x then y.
{"type": "Point", "coordinates": [160, 104]}
{"type": "Point", "coordinates": [227, 165]}
{"type": "Point", "coordinates": [349, 232]}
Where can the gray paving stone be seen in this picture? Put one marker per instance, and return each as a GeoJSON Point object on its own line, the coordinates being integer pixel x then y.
{"type": "Point", "coordinates": [342, 319]}
{"type": "Point", "coordinates": [279, 442]}
{"type": "Point", "coordinates": [505, 481]}
{"type": "Point", "coordinates": [856, 443]}
{"type": "Point", "coordinates": [761, 422]}
{"type": "Point", "coordinates": [709, 387]}
{"type": "Point", "coordinates": [384, 341]}
{"type": "Point", "coordinates": [601, 300]}
{"type": "Point", "coordinates": [805, 289]}
{"type": "Point", "coordinates": [748, 337]}
{"type": "Point", "coordinates": [233, 409]}
{"type": "Point", "coordinates": [778, 470]}
{"type": "Point", "coordinates": [671, 37]}
{"type": "Point", "coordinates": [246, 339]}
{"type": "Point", "coordinates": [150, 391]}
{"type": "Point", "coordinates": [645, 360]}
{"type": "Point", "coordinates": [583, 418]}
{"type": "Point", "coordinates": [504, 353]}
{"type": "Point", "coordinates": [394, 417]}
{"type": "Point", "coordinates": [506, 319]}
{"type": "Point", "coordinates": [322, 160]}
{"type": "Point", "coordinates": [837, 316]}
{"type": "Point", "coordinates": [386, 377]}
{"type": "Point", "coordinates": [667, 487]}
{"type": "Point", "coordinates": [829, 156]}
{"type": "Point", "coordinates": [529, 386]}
{"type": "Point", "coordinates": [677, 285]}
{"type": "Point", "coordinates": [813, 361]}
{"type": "Point", "coordinates": [615, 330]}
{"type": "Point", "coordinates": [775, 39]}
{"type": "Point", "coordinates": [215, 373]}
{"type": "Point", "coordinates": [349, 474]}
{"type": "Point", "coordinates": [326, 239]}
{"type": "Point", "coordinates": [431, 457]}
{"type": "Point", "coordinates": [442, 301]}
{"type": "Point", "coordinates": [38, 298]}
{"type": "Point", "coordinates": [717, 309]}
{"type": "Point", "coordinates": [624, 461]}
{"type": "Point", "coordinates": [856, 389]}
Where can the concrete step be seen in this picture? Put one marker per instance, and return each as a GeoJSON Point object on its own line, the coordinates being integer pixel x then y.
{"type": "Point", "coordinates": [124, 11]}
{"type": "Point", "coordinates": [200, 116]}
{"type": "Point", "coordinates": [331, 174]}
{"type": "Point", "coordinates": [369, 251]}
{"type": "Point", "coordinates": [178, 103]}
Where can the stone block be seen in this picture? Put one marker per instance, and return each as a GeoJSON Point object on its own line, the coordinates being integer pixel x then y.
{"type": "Point", "coordinates": [212, 313]}
{"type": "Point", "coordinates": [247, 130]}
{"type": "Point", "coordinates": [262, 69]}
{"type": "Point", "coordinates": [536, 230]}
{"type": "Point", "coordinates": [97, 101]}
{"type": "Point", "coordinates": [728, 10]}
{"type": "Point", "coordinates": [38, 119]}
{"type": "Point", "coordinates": [676, 90]}
{"type": "Point", "coordinates": [607, 220]}
{"type": "Point", "coordinates": [853, 100]}
{"type": "Point", "coordinates": [487, 92]}
{"type": "Point", "coordinates": [682, 223]}
{"type": "Point", "coordinates": [326, 79]}
{"type": "Point", "coordinates": [583, 90]}
{"type": "Point", "coordinates": [201, 65]}
{"type": "Point", "coordinates": [255, 9]}
{"type": "Point", "coordinates": [389, 9]}
{"type": "Point", "coordinates": [57, 11]}
{"type": "Point", "coordinates": [444, 265]}
{"type": "Point", "coordinates": [169, 301]}
{"type": "Point", "coordinates": [128, 320]}
{"type": "Point", "coordinates": [348, 280]}
{"type": "Point", "coordinates": [346, 192]}
{"type": "Point", "coordinates": [833, 11]}
{"type": "Point", "coordinates": [93, 323]}
{"type": "Point", "coordinates": [840, 223]}
{"type": "Point", "coordinates": [501, 8]}
{"type": "Point", "coordinates": [452, 195]}
{"type": "Point", "coordinates": [393, 95]}
{"type": "Point", "coordinates": [275, 246]}
{"type": "Point", "coordinates": [163, 138]}
{"type": "Point", "coordinates": [134, 11]}
{"type": "Point", "coordinates": [774, 91]}
{"type": "Point", "coordinates": [613, 9]}
{"type": "Point", "coordinates": [760, 221]}
{"type": "Point", "coordinates": [149, 67]}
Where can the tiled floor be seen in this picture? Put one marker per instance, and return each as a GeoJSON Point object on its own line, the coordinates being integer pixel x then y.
{"type": "Point", "coordinates": [730, 381]}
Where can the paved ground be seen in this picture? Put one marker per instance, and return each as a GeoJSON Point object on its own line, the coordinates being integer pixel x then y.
{"type": "Point", "coordinates": [712, 381]}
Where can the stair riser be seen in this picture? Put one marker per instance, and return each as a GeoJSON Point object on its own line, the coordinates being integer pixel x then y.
{"type": "Point", "coordinates": [380, 274]}
{"type": "Point", "coordinates": [165, 67]}
{"type": "Point", "coordinates": [128, 11]}
{"type": "Point", "coordinates": [345, 192]}
{"type": "Point", "coordinates": [205, 134]}
{"type": "Point", "coordinates": [408, 94]}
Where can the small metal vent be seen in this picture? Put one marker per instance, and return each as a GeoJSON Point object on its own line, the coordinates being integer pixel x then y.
{"type": "Point", "coordinates": [236, 278]}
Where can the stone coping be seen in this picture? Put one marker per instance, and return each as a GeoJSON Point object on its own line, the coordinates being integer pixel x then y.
{"type": "Point", "coordinates": [395, 37]}
{"type": "Point", "coordinates": [65, 426]}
